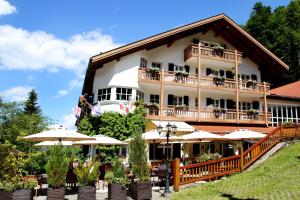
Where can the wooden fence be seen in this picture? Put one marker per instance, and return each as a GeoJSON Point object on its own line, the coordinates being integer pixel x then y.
{"type": "Point", "coordinates": [217, 168]}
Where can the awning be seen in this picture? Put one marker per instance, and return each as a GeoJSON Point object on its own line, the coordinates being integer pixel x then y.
{"type": "Point", "coordinates": [181, 126]}
{"type": "Point", "coordinates": [228, 129]}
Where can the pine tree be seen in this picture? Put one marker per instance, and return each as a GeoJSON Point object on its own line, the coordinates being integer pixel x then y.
{"type": "Point", "coordinates": [31, 105]}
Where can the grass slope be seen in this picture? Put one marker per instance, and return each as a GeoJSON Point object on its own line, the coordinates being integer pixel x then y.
{"type": "Point", "coordinates": [276, 178]}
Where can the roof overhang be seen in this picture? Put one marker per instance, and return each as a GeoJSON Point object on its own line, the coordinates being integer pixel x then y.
{"type": "Point", "coordinates": [222, 25]}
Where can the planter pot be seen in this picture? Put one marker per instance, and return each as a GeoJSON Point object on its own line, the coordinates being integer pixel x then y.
{"type": "Point", "coordinates": [23, 194]}
{"type": "Point", "coordinates": [87, 193]}
{"type": "Point", "coordinates": [141, 190]}
{"type": "Point", "coordinates": [56, 194]}
{"type": "Point", "coordinates": [116, 192]}
{"type": "Point", "coordinates": [5, 195]}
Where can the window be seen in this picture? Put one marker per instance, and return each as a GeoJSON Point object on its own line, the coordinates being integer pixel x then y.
{"type": "Point", "coordinates": [104, 94]}
{"type": "Point", "coordinates": [154, 98]}
{"type": "Point", "coordinates": [124, 94]}
{"type": "Point", "coordinates": [196, 102]}
{"type": "Point", "coordinates": [139, 95]}
{"type": "Point", "coordinates": [143, 63]}
{"type": "Point", "coordinates": [156, 65]}
{"type": "Point", "coordinates": [178, 68]}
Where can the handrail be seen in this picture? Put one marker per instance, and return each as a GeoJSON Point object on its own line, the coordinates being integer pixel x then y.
{"type": "Point", "coordinates": [221, 167]}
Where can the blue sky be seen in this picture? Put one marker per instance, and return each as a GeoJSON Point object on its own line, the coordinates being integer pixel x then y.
{"type": "Point", "coordinates": [46, 44]}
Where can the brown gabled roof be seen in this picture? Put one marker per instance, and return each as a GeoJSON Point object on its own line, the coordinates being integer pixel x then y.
{"type": "Point", "coordinates": [291, 90]}
{"type": "Point", "coordinates": [221, 24]}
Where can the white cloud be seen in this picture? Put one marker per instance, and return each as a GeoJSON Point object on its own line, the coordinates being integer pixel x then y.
{"type": "Point", "coordinates": [6, 8]}
{"type": "Point", "coordinates": [69, 121]}
{"type": "Point", "coordinates": [62, 93]}
{"type": "Point", "coordinates": [18, 93]}
{"type": "Point", "coordinates": [21, 49]}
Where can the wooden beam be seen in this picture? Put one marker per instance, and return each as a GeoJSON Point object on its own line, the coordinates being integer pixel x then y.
{"type": "Point", "coordinates": [199, 75]}
{"type": "Point", "coordinates": [265, 104]}
{"type": "Point", "coordinates": [236, 87]}
{"type": "Point", "coordinates": [161, 98]}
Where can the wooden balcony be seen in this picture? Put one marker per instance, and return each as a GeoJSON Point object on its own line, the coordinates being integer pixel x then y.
{"type": "Point", "coordinates": [209, 53]}
{"type": "Point", "coordinates": [173, 113]}
{"type": "Point", "coordinates": [206, 82]}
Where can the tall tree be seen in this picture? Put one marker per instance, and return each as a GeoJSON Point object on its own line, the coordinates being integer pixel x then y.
{"type": "Point", "coordinates": [279, 31]}
{"type": "Point", "coordinates": [31, 105]}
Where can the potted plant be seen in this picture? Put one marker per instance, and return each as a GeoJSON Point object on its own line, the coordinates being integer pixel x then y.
{"type": "Point", "coordinates": [117, 181]}
{"type": "Point", "coordinates": [56, 169]}
{"type": "Point", "coordinates": [219, 50]}
{"type": "Point", "coordinates": [219, 80]}
{"type": "Point", "coordinates": [251, 84]}
{"type": "Point", "coordinates": [87, 175]}
{"type": "Point", "coordinates": [141, 186]}
{"type": "Point", "coordinates": [154, 71]}
{"type": "Point", "coordinates": [12, 186]}
{"type": "Point", "coordinates": [252, 113]}
{"type": "Point", "coordinates": [218, 111]}
{"type": "Point", "coordinates": [181, 76]}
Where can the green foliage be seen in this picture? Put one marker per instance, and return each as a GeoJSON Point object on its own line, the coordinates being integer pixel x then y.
{"type": "Point", "coordinates": [87, 173]}
{"type": "Point", "coordinates": [11, 163]}
{"type": "Point", "coordinates": [29, 184]}
{"type": "Point", "coordinates": [279, 31]}
{"type": "Point", "coordinates": [35, 162]}
{"type": "Point", "coordinates": [57, 167]}
{"type": "Point", "coordinates": [208, 156]}
{"type": "Point", "coordinates": [138, 157]}
{"type": "Point", "coordinates": [31, 105]}
{"type": "Point", "coordinates": [117, 175]}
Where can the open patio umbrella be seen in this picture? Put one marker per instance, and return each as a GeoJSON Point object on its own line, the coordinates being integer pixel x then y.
{"type": "Point", "coordinates": [101, 140]}
{"type": "Point", "coordinates": [51, 143]}
{"type": "Point", "coordinates": [242, 134]}
{"type": "Point", "coordinates": [200, 135]}
{"type": "Point", "coordinates": [58, 135]}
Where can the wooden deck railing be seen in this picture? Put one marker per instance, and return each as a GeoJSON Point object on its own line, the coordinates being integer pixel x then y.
{"type": "Point", "coordinates": [221, 167]}
{"type": "Point", "coordinates": [206, 82]}
{"type": "Point", "coordinates": [208, 52]}
{"type": "Point", "coordinates": [205, 115]}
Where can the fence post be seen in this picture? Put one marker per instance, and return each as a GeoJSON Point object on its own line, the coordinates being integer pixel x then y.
{"type": "Point", "coordinates": [176, 175]}
{"type": "Point", "coordinates": [242, 157]}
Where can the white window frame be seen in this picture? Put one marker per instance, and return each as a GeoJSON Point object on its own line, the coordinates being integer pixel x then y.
{"type": "Point", "coordinates": [105, 94]}
{"type": "Point", "coordinates": [124, 93]}
{"type": "Point", "coordinates": [154, 98]}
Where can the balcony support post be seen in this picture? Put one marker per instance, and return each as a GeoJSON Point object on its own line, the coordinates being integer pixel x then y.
{"type": "Point", "coordinates": [161, 96]}
{"type": "Point", "coordinates": [199, 74]}
{"type": "Point", "coordinates": [236, 86]}
{"type": "Point", "coordinates": [265, 104]}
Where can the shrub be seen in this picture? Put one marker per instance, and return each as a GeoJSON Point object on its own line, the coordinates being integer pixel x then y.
{"type": "Point", "coordinates": [138, 157]}
{"type": "Point", "coordinates": [117, 174]}
{"type": "Point", "coordinates": [57, 167]}
{"type": "Point", "coordinates": [87, 173]}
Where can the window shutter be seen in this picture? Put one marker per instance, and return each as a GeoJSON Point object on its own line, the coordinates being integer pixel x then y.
{"type": "Point", "coordinates": [230, 104]}
{"type": "Point", "coordinates": [229, 74]}
{"type": "Point", "coordinates": [195, 41]}
{"type": "Point", "coordinates": [187, 68]}
{"type": "Point", "coordinates": [222, 103]}
{"type": "Point", "coordinates": [170, 99]}
{"type": "Point", "coordinates": [254, 77]}
{"type": "Point", "coordinates": [222, 73]}
{"type": "Point", "coordinates": [171, 67]}
{"type": "Point", "coordinates": [186, 100]}
{"type": "Point", "coordinates": [208, 71]}
{"type": "Point", "coordinates": [255, 105]}
{"type": "Point", "coordinates": [90, 99]}
{"type": "Point", "coordinates": [209, 101]}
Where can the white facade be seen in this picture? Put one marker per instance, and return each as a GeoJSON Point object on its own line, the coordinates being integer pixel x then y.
{"type": "Point", "coordinates": [124, 74]}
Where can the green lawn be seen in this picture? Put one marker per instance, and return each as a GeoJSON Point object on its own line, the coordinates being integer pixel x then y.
{"type": "Point", "coordinates": [276, 178]}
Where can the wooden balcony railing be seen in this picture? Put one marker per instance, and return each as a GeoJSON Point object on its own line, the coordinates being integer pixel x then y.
{"type": "Point", "coordinates": [208, 52]}
{"type": "Point", "coordinates": [217, 168]}
{"type": "Point", "coordinates": [205, 115]}
{"type": "Point", "coordinates": [206, 82]}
